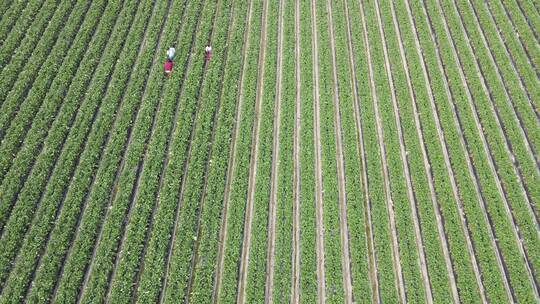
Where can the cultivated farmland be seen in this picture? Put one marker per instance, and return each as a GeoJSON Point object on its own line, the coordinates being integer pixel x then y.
{"type": "Point", "coordinates": [329, 151]}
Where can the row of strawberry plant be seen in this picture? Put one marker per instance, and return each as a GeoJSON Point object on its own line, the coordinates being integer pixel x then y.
{"type": "Point", "coordinates": [284, 188]}
{"type": "Point", "coordinates": [381, 230]}
{"type": "Point", "coordinates": [308, 257]}
{"type": "Point", "coordinates": [438, 276]}
{"type": "Point", "coordinates": [505, 171]}
{"type": "Point", "coordinates": [15, 27]}
{"type": "Point", "coordinates": [21, 169]}
{"type": "Point", "coordinates": [28, 99]}
{"type": "Point", "coordinates": [196, 143]}
{"type": "Point", "coordinates": [524, 33]}
{"type": "Point", "coordinates": [520, 108]}
{"type": "Point", "coordinates": [531, 15]}
{"type": "Point", "coordinates": [256, 277]}
{"type": "Point", "coordinates": [210, 219]}
{"type": "Point", "coordinates": [517, 53]}
{"type": "Point", "coordinates": [40, 33]}
{"type": "Point", "coordinates": [356, 194]}
{"type": "Point", "coordinates": [408, 252]}
{"type": "Point", "coordinates": [427, 85]}
{"type": "Point", "coordinates": [118, 225]}
{"type": "Point", "coordinates": [508, 168]}
{"type": "Point", "coordinates": [462, 121]}
{"type": "Point", "coordinates": [170, 113]}
{"type": "Point", "coordinates": [32, 192]}
{"type": "Point", "coordinates": [96, 198]}
{"type": "Point", "coordinates": [183, 248]}
{"type": "Point", "coordinates": [239, 183]}
{"type": "Point", "coordinates": [66, 225]}
{"type": "Point", "coordinates": [6, 5]}
{"type": "Point", "coordinates": [49, 201]}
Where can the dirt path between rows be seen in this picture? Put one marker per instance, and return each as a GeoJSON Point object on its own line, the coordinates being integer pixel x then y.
{"type": "Point", "coordinates": [344, 227]}
{"type": "Point", "coordinates": [295, 294]}
{"type": "Point", "coordinates": [253, 163]}
{"type": "Point", "coordinates": [232, 164]}
{"type": "Point", "coordinates": [321, 292]}
{"type": "Point", "coordinates": [275, 166]}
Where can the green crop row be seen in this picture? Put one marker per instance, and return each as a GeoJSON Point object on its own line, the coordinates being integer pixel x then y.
{"type": "Point", "coordinates": [6, 5]}
{"type": "Point", "coordinates": [14, 27]}
{"type": "Point", "coordinates": [438, 276]}
{"type": "Point", "coordinates": [22, 97]}
{"type": "Point", "coordinates": [50, 205]}
{"type": "Point", "coordinates": [78, 260]}
{"type": "Point", "coordinates": [517, 54]}
{"type": "Point", "coordinates": [332, 242]}
{"type": "Point", "coordinates": [379, 215]}
{"type": "Point", "coordinates": [356, 194]}
{"type": "Point", "coordinates": [256, 277]}
{"type": "Point", "coordinates": [187, 102]}
{"type": "Point", "coordinates": [408, 254]}
{"type": "Point", "coordinates": [66, 225]}
{"type": "Point", "coordinates": [423, 86]}
{"type": "Point", "coordinates": [239, 184]}
{"type": "Point", "coordinates": [308, 257]}
{"type": "Point", "coordinates": [520, 107]}
{"type": "Point", "coordinates": [512, 191]}
{"type": "Point", "coordinates": [212, 211]}
{"type": "Point", "coordinates": [14, 179]}
{"type": "Point", "coordinates": [13, 57]}
{"type": "Point", "coordinates": [461, 115]}
{"type": "Point", "coordinates": [531, 15]}
{"type": "Point", "coordinates": [525, 34]}
{"type": "Point", "coordinates": [284, 188]}
{"type": "Point", "coordinates": [28, 200]}
{"type": "Point", "coordinates": [109, 250]}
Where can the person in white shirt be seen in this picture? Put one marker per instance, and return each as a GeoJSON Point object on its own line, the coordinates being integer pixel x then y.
{"type": "Point", "coordinates": [207, 52]}
{"type": "Point", "coordinates": [170, 53]}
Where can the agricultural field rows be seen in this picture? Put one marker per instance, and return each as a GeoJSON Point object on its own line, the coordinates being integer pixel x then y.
{"type": "Point", "coordinates": [346, 151]}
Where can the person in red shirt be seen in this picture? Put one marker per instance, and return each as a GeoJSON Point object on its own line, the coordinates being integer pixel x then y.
{"type": "Point", "coordinates": [167, 67]}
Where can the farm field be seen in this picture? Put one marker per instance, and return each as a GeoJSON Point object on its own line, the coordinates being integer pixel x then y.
{"type": "Point", "coordinates": [330, 151]}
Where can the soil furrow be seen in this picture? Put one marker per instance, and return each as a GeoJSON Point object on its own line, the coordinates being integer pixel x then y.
{"type": "Point", "coordinates": [232, 164]}
{"type": "Point", "coordinates": [275, 166]}
{"type": "Point", "coordinates": [321, 281]}
{"type": "Point", "coordinates": [295, 294]}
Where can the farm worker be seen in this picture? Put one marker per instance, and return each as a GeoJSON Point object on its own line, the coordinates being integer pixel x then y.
{"type": "Point", "coordinates": [207, 52]}
{"type": "Point", "coordinates": [170, 53]}
{"type": "Point", "coordinates": [168, 67]}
